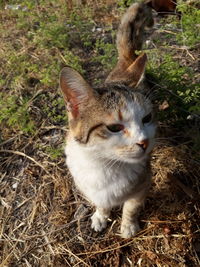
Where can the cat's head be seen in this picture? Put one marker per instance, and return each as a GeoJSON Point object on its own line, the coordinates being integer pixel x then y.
{"type": "Point", "coordinates": [113, 121]}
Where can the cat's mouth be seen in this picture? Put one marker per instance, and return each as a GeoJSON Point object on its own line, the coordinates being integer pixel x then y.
{"type": "Point", "coordinates": [138, 157]}
{"type": "Point", "coordinates": [134, 157]}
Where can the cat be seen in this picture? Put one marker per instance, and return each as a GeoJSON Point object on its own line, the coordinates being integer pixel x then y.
{"type": "Point", "coordinates": [112, 129]}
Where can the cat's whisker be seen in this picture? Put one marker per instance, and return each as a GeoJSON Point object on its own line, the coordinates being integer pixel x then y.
{"type": "Point", "coordinates": [110, 164]}
{"type": "Point", "coordinates": [151, 94]}
{"type": "Point", "coordinates": [120, 162]}
{"type": "Point", "coordinates": [107, 163]}
{"type": "Point", "coordinates": [114, 162]}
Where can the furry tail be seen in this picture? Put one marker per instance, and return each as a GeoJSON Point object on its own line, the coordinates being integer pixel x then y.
{"type": "Point", "coordinates": [131, 30]}
{"type": "Point", "coordinates": [130, 37]}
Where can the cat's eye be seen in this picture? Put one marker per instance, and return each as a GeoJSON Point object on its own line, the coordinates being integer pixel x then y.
{"type": "Point", "coordinates": [114, 128]}
{"type": "Point", "coordinates": [147, 118]}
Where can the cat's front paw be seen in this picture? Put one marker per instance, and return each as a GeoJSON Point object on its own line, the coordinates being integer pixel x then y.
{"type": "Point", "coordinates": [99, 222]}
{"type": "Point", "coordinates": [129, 229]}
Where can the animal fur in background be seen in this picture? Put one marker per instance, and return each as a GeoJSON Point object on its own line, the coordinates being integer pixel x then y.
{"type": "Point", "coordinates": [163, 6]}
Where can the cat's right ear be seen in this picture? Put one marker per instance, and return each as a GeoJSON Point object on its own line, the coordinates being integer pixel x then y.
{"type": "Point", "coordinates": [76, 91]}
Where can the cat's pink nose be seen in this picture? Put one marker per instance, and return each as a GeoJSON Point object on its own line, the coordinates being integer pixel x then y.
{"type": "Point", "coordinates": [143, 144]}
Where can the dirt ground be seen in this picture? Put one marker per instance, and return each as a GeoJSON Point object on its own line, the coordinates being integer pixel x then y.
{"type": "Point", "coordinates": [45, 221]}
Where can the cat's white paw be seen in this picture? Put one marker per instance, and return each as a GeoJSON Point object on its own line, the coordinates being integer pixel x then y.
{"type": "Point", "coordinates": [129, 230]}
{"type": "Point", "coordinates": [99, 222]}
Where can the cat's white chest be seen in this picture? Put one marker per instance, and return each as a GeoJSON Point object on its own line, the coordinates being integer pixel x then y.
{"type": "Point", "coordinates": [105, 184]}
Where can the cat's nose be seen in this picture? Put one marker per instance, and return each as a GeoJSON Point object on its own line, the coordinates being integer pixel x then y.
{"type": "Point", "coordinates": [143, 144]}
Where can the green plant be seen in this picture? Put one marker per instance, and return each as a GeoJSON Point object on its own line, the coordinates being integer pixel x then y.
{"type": "Point", "coordinates": [105, 54]}
{"type": "Point", "coordinates": [189, 23]}
{"type": "Point", "coordinates": [123, 4]}
{"type": "Point", "coordinates": [53, 108]}
{"type": "Point", "coordinates": [41, 47]}
{"type": "Point", "coordinates": [54, 152]}
{"type": "Point", "coordinates": [51, 34]}
{"type": "Point", "coordinates": [81, 25]}
{"type": "Point", "coordinates": [14, 113]}
{"type": "Point", "coordinates": [173, 83]}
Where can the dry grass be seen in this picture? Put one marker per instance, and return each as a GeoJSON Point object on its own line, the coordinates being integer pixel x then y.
{"type": "Point", "coordinates": [46, 222]}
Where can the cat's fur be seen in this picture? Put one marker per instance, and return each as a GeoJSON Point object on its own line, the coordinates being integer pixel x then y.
{"type": "Point", "coordinates": [130, 38]}
{"type": "Point", "coordinates": [111, 129]}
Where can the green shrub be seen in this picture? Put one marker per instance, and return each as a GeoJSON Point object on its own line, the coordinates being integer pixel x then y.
{"type": "Point", "coordinates": [14, 113]}
{"type": "Point", "coordinates": [173, 83]}
{"type": "Point", "coordinates": [190, 25]}
{"type": "Point", "coordinates": [106, 54]}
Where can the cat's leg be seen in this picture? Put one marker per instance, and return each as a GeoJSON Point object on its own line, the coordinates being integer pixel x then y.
{"type": "Point", "coordinates": [129, 224]}
{"type": "Point", "coordinates": [99, 219]}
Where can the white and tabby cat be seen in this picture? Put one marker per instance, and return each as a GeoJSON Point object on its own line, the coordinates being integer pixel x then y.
{"type": "Point", "coordinates": [112, 129]}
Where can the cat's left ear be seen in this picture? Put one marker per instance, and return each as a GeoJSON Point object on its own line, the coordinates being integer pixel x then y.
{"type": "Point", "coordinates": [130, 74]}
{"type": "Point", "coordinates": [136, 70]}
{"type": "Point", "coordinates": [76, 91]}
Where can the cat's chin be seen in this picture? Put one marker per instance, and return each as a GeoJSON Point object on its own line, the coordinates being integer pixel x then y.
{"type": "Point", "coordinates": [135, 159]}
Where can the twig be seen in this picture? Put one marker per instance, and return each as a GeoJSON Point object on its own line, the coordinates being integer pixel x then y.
{"type": "Point", "coordinates": [132, 241]}
{"type": "Point", "coordinates": [164, 222]}
{"type": "Point", "coordinates": [26, 156]}
{"type": "Point", "coordinates": [9, 140]}
{"type": "Point", "coordinates": [62, 57]}
{"type": "Point", "coordinates": [75, 256]}
{"type": "Point", "coordinates": [168, 31]}
{"type": "Point", "coordinates": [47, 242]}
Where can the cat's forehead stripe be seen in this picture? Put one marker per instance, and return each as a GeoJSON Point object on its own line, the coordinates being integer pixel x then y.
{"type": "Point", "coordinates": [120, 115]}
